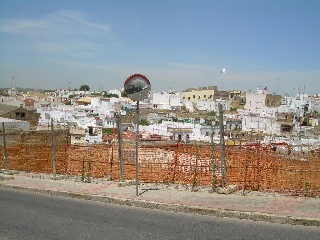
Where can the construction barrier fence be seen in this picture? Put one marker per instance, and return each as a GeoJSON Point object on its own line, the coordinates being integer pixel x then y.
{"type": "Point", "coordinates": [250, 167]}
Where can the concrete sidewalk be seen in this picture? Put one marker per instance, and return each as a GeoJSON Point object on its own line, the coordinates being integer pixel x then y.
{"type": "Point", "coordinates": [253, 205]}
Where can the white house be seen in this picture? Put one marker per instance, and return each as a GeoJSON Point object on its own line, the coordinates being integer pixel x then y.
{"type": "Point", "coordinates": [260, 120]}
{"type": "Point", "coordinates": [93, 134]}
{"type": "Point", "coordinates": [204, 105]}
{"type": "Point", "coordinates": [164, 100]}
{"type": "Point", "coordinates": [8, 123]}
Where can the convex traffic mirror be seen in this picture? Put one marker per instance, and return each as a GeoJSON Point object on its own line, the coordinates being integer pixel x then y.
{"type": "Point", "coordinates": [137, 87]}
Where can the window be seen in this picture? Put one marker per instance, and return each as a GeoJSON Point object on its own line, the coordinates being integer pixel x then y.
{"type": "Point", "coordinates": [20, 114]}
{"type": "Point", "coordinates": [204, 96]}
{"type": "Point", "coordinates": [194, 96]}
{"type": "Point", "coordinates": [188, 98]}
{"type": "Point", "coordinates": [90, 131]}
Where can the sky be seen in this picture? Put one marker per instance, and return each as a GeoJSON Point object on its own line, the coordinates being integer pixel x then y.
{"type": "Point", "coordinates": [176, 44]}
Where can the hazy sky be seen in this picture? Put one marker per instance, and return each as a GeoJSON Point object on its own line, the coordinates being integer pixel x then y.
{"type": "Point", "coordinates": [179, 43]}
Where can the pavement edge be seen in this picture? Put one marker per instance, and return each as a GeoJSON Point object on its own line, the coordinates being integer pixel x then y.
{"type": "Point", "coordinates": [223, 213]}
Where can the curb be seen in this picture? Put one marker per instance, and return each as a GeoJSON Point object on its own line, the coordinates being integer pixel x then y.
{"type": "Point", "coordinates": [222, 213]}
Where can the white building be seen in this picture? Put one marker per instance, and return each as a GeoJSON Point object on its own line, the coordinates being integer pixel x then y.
{"type": "Point", "coordinates": [13, 124]}
{"type": "Point", "coordinates": [204, 105]}
{"type": "Point", "coordinates": [260, 120]}
{"type": "Point", "coordinates": [261, 98]}
{"type": "Point", "coordinates": [178, 131]}
{"type": "Point", "coordinates": [116, 91]}
{"type": "Point", "coordinates": [164, 100]}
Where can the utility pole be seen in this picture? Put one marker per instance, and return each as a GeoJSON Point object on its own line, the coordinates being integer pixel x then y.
{"type": "Point", "coordinates": [12, 84]}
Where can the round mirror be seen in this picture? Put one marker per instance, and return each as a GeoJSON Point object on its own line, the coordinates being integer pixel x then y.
{"type": "Point", "coordinates": [137, 87]}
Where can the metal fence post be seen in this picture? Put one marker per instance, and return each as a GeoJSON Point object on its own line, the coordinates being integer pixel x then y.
{"type": "Point", "coordinates": [4, 146]}
{"type": "Point", "coordinates": [214, 164]}
{"type": "Point", "coordinates": [118, 119]}
{"type": "Point", "coordinates": [222, 146]}
{"type": "Point", "coordinates": [53, 150]}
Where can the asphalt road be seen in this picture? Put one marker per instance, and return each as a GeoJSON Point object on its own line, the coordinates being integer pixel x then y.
{"type": "Point", "coordinates": [27, 215]}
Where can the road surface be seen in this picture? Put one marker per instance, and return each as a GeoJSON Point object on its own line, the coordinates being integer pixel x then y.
{"type": "Point", "coordinates": [28, 215]}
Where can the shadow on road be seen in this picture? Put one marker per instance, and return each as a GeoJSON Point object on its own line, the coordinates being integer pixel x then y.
{"type": "Point", "coordinates": [147, 189]}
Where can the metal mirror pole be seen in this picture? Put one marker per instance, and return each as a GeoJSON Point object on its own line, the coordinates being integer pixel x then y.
{"type": "Point", "coordinates": [137, 155]}
{"type": "Point", "coordinates": [137, 87]}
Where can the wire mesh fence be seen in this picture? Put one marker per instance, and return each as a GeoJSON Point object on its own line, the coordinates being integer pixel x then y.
{"type": "Point", "coordinates": [250, 167]}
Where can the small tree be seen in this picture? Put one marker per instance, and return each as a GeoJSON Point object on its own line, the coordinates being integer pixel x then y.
{"type": "Point", "coordinates": [144, 122]}
{"type": "Point", "coordinates": [106, 131]}
{"type": "Point", "coordinates": [212, 114]}
{"type": "Point", "coordinates": [84, 88]}
{"type": "Point", "coordinates": [110, 95]}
